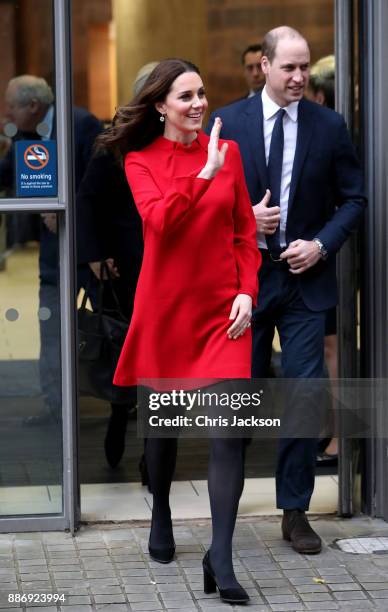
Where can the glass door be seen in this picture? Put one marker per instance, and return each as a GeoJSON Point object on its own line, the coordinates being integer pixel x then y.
{"type": "Point", "coordinates": [38, 477]}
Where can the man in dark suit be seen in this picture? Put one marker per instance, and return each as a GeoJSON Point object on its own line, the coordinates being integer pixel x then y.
{"type": "Point", "coordinates": [302, 153]}
{"type": "Point", "coordinates": [30, 113]}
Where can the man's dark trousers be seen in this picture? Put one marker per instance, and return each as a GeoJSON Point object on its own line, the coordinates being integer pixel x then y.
{"type": "Point", "coordinates": [301, 332]}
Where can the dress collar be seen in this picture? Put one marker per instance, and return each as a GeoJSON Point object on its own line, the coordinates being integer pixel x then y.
{"type": "Point", "coordinates": [200, 142]}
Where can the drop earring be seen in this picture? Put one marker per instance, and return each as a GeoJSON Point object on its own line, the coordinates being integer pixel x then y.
{"type": "Point", "coordinates": [161, 118]}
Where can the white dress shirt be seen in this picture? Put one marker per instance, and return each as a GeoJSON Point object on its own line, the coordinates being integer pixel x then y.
{"type": "Point", "coordinates": [290, 128]}
{"type": "Point", "coordinates": [48, 120]}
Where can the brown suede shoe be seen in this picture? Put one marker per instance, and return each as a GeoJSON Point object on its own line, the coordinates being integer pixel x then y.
{"type": "Point", "coordinates": [296, 529]}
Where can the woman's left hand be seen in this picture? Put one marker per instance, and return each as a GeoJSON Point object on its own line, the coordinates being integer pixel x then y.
{"type": "Point", "coordinates": [241, 315]}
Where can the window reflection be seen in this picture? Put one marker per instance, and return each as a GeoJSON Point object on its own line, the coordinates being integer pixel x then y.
{"type": "Point", "coordinates": [30, 384]}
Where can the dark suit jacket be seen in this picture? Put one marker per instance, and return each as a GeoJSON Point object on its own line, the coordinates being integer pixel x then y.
{"type": "Point", "coordinates": [108, 224]}
{"type": "Point", "coordinates": [86, 129]}
{"type": "Point", "coordinates": [326, 194]}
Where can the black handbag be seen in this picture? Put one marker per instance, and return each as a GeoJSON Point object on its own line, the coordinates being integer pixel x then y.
{"type": "Point", "coordinates": [101, 335]}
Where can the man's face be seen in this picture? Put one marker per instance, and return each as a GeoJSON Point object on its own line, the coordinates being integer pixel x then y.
{"type": "Point", "coordinates": [252, 70]}
{"type": "Point", "coordinates": [288, 74]}
{"type": "Point", "coordinates": [25, 117]}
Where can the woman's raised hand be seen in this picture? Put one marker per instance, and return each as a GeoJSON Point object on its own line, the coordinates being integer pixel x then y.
{"type": "Point", "coordinates": [215, 155]}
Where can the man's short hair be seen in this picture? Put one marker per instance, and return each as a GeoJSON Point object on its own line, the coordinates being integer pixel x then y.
{"type": "Point", "coordinates": [272, 38]}
{"type": "Point", "coordinates": [251, 49]}
{"type": "Point", "coordinates": [29, 87]}
{"type": "Point", "coordinates": [322, 78]}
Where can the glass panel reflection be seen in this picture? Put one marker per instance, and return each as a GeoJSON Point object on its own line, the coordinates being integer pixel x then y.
{"type": "Point", "coordinates": [27, 99]}
{"type": "Point", "coordinates": [30, 377]}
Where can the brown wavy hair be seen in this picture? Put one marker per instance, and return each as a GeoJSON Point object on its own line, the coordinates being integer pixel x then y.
{"type": "Point", "coordinates": [137, 124]}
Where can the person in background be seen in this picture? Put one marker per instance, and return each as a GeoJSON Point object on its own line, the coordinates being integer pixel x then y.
{"type": "Point", "coordinates": [302, 153]}
{"type": "Point", "coordinates": [30, 109]}
{"type": "Point", "coordinates": [322, 90]}
{"type": "Point", "coordinates": [110, 230]}
{"type": "Point", "coordinates": [251, 62]}
{"type": "Point", "coordinates": [321, 87]}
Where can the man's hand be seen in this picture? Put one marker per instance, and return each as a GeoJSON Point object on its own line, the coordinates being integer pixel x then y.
{"type": "Point", "coordinates": [95, 267]}
{"type": "Point", "coordinates": [241, 314]}
{"type": "Point", "coordinates": [301, 255]}
{"type": "Point", "coordinates": [267, 219]}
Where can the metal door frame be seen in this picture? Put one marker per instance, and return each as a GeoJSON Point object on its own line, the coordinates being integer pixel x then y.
{"type": "Point", "coordinates": [346, 270]}
{"type": "Point", "coordinates": [375, 344]}
{"type": "Point", "coordinates": [373, 94]}
{"type": "Point", "coordinates": [64, 205]}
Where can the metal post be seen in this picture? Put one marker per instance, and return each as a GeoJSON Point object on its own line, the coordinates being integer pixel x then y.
{"type": "Point", "coordinates": [64, 114]}
{"type": "Point", "coordinates": [346, 260]}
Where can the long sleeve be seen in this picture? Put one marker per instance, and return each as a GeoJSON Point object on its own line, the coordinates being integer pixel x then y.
{"type": "Point", "coordinates": [349, 193]}
{"type": "Point", "coordinates": [86, 129]}
{"type": "Point", "coordinates": [95, 190]}
{"type": "Point", "coordinates": [247, 254]}
{"type": "Point", "coordinates": [162, 212]}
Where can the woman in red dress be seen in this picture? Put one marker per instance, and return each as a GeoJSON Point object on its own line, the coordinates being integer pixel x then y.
{"type": "Point", "coordinates": [197, 284]}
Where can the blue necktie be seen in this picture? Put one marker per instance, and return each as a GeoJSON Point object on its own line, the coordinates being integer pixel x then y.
{"type": "Point", "coordinates": [275, 165]}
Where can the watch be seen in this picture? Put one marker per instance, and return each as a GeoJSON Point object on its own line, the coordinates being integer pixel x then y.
{"type": "Point", "coordinates": [322, 250]}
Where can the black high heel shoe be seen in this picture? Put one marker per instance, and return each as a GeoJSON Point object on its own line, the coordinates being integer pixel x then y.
{"type": "Point", "coordinates": [161, 555]}
{"type": "Point", "coordinates": [235, 595]}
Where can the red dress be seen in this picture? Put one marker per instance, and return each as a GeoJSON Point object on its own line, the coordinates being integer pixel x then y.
{"type": "Point", "coordinates": [200, 251]}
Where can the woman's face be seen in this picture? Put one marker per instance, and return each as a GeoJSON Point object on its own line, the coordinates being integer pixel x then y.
{"type": "Point", "coordinates": [184, 107]}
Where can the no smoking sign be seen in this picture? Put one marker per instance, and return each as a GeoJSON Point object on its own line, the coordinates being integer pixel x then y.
{"type": "Point", "coordinates": [36, 168]}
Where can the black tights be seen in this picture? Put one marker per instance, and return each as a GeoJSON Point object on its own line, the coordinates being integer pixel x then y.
{"type": "Point", "coordinates": [160, 455]}
{"type": "Point", "coordinates": [225, 483]}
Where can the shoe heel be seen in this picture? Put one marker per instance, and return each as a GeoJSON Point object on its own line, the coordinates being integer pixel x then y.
{"type": "Point", "coordinates": [209, 584]}
{"type": "Point", "coordinates": [286, 537]}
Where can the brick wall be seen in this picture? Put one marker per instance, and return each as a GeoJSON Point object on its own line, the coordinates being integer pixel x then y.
{"type": "Point", "coordinates": [26, 40]}
{"type": "Point", "coordinates": [168, 27]}
{"type": "Point", "coordinates": [84, 14]}
{"type": "Point", "coordinates": [7, 63]}
{"type": "Point", "coordinates": [234, 24]}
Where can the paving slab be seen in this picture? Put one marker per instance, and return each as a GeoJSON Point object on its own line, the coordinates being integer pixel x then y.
{"type": "Point", "coordinates": [106, 567]}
